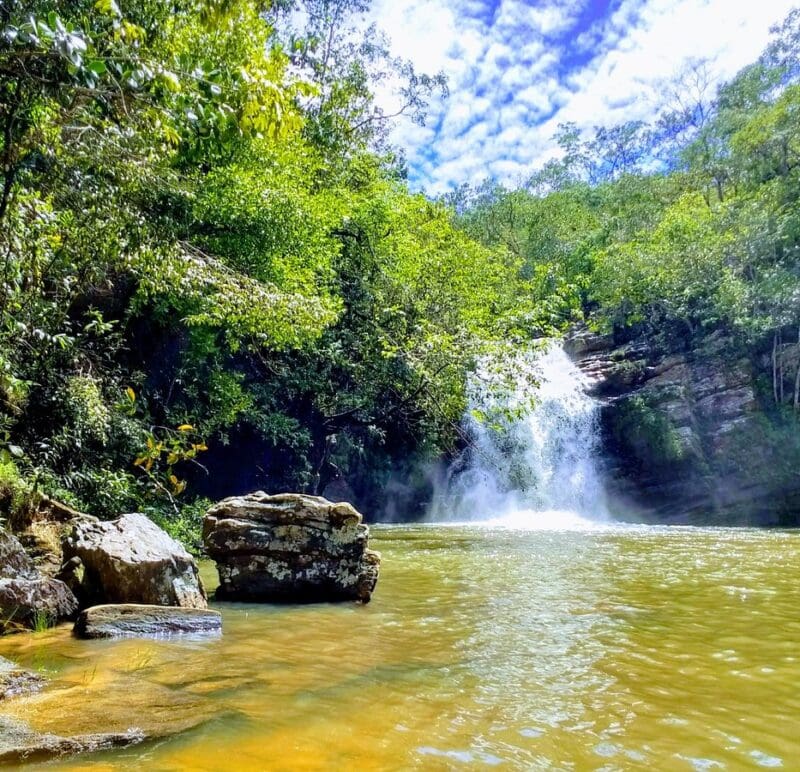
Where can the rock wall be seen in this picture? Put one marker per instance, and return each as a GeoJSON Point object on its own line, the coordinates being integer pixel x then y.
{"type": "Point", "coordinates": [686, 435]}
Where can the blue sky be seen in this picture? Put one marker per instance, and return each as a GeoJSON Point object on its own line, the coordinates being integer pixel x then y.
{"type": "Point", "coordinates": [517, 69]}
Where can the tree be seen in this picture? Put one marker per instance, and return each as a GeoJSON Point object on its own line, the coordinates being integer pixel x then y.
{"type": "Point", "coordinates": [348, 62]}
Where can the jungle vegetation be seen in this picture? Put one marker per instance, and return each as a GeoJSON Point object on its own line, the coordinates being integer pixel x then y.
{"type": "Point", "coordinates": [215, 278]}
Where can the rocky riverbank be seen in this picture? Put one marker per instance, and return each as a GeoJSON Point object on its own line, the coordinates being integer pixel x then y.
{"type": "Point", "coordinates": [28, 597]}
{"type": "Point", "coordinates": [127, 578]}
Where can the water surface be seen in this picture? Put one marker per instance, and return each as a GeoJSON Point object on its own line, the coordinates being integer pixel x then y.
{"type": "Point", "coordinates": [618, 648]}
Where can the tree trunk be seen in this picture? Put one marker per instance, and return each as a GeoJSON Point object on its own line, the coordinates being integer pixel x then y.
{"type": "Point", "coordinates": [775, 366]}
{"type": "Point", "coordinates": [797, 375]}
{"type": "Point", "coordinates": [797, 387]}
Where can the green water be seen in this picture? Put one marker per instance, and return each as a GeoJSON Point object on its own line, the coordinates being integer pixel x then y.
{"type": "Point", "coordinates": [632, 648]}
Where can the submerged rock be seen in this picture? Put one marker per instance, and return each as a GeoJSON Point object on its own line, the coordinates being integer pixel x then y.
{"type": "Point", "coordinates": [132, 560]}
{"type": "Point", "coordinates": [15, 682]}
{"type": "Point", "coordinates": [107, 709]}
{"type": "Point", "coordinates": [133, 620]}
{"type": "Point", "coordinates": [290, 548]}
{"type": "Point", "coordinates": [20, 743]}
{"type": "Point", "coordinates": [27, 598]}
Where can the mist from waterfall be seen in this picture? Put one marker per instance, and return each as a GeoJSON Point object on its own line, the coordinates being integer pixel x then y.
{"type": "Point", "coordinates": [532, 467]}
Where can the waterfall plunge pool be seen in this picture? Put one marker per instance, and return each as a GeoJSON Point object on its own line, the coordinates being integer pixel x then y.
{"type": "Point", "coordinates": [545, 638]}
{"type": "Point", "coordinates": [610, 648]}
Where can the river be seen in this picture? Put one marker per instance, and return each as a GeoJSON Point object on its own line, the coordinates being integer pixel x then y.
{"type": "Point", "coordinates": [538, 634]}
{"type": "Point", "coordinates": [605, 648]}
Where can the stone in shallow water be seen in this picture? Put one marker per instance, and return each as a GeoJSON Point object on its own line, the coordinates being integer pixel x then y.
{"type": "Point", "coordinates": [20, 743]}
{"type": "Point", "coordinates": [134, 620]}
{"type": "Point", "coordinates": [15, 682]}
{"type": "Point", "coordinates": [290, 548]}
{"type": "Point", "coordinates": [132, 560]}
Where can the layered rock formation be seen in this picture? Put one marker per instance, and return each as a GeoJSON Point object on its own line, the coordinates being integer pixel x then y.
{"type": "Point", "coordinates": [684, 435]}
{"type": "Point", "coordinates": [290, 548]}
{"type": "Point", "coordinates": [131, 560]}
{"type": "Point", "coordinates": [27, 597]}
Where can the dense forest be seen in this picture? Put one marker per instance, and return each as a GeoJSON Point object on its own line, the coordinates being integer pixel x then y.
{"type": "Point", "coordinates": [215, 277]}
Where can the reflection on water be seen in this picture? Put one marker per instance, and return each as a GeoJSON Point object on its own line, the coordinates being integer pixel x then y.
{"type": "Point", "coordinates": [618, 648]}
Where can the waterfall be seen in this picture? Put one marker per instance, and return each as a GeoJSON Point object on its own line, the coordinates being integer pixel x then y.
{"type": "Point", "coordinates": [532, 457]}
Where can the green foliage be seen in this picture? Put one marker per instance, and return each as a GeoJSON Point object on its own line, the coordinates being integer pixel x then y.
{"type": "Point", "coordinates": [17, 498]}
{"type": "Point", "coordinates": [185, 525]}
{"type": "Point", "coordinates": [163, 451]}
{"type": "Point", "coordinates": [89, 414]}
{"type": "Point", "coordinates": [42, 621]}
{"type": "Point", "coordinates": [208, 294]}
{"type": "Point", "coordinates": [206, 245]}
{"type": "Point", "coordinates": [647, 434]}
{"type": "Point", "coordinates": [674, 268]}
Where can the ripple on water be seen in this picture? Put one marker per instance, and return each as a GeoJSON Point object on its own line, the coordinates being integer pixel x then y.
{"type": "Point", "coordinates": [614, 648]}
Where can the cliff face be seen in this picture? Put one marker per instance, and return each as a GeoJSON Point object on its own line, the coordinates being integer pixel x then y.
{"type": "Point", "coordinates": [686, 436]}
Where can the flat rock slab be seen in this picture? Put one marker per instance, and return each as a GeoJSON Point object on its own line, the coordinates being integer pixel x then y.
{"type": "Point", "coordinates": [132, 560]}
{"type": "Point", "coordinates": [131, 620]}
{"type": "Point", "coordinates": [16, 682]}
{"type": "Point", "coordinates": [20, 743]}
{"type": "Point", "coordinates": [290, 548]}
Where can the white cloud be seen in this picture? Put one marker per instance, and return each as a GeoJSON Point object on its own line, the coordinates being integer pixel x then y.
{"type": "Point", "coordinates": [519, 72]}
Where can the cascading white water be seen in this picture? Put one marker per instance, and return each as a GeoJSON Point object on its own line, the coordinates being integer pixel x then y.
{"type": "Point", "coordinates": [528, 466]}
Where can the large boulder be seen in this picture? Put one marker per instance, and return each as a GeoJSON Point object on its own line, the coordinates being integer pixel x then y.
{"type": "Point", "coordinates": [132, 560]}
{"type": "Point", "coordinates": [130, 620]}
{"type": "Point", "coordinates": [27, 598]}
{"type": "Point", "coordinates": [290, 548]}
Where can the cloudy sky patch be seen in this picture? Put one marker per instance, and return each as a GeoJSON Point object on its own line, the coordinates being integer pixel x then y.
{"type": "Point", "coordinates": [517, 69]}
